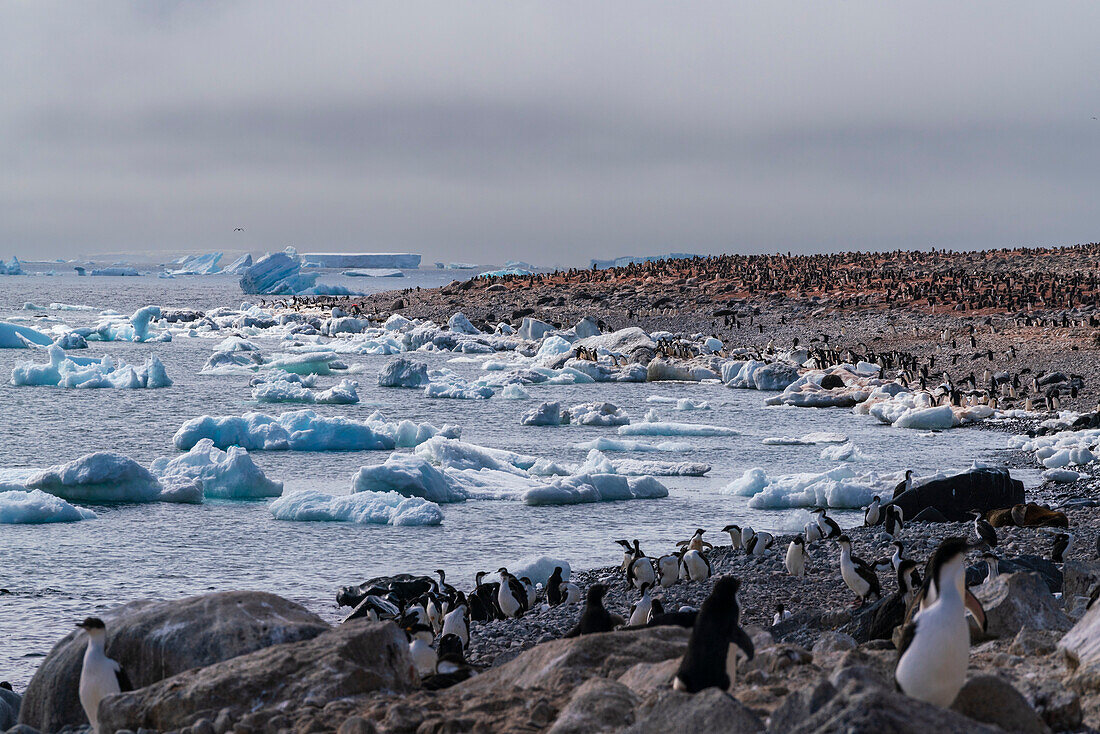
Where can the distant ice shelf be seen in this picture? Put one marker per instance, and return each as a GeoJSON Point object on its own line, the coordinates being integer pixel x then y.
{"type": "Point", "coordinates": [403, 260]}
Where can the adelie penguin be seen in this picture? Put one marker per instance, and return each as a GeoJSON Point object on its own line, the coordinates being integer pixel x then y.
{"type": "Point", "coordinates": [641, 610]}
{"type": "Point", "coordinates": [628, 555]}
{"type": "Point", "coordinates": [694, 566]}
{"type": "Point", "coordinates": [904, 485]}
{"type": "Point", "coordinates": [934, 648]}
{"type": "Point", "coordinates": [100, 676]}
{"type": "Point", "coordinates": [595, 618]}
{"type": "Point", "coordinates": [872, 513]}
{"type": "Point", "coordinates": [668, 570]}
{"type": "Point", "coordinates": [759, 543]}
{"type": "Point", "coordinates": [827, 525]}
{"type": "Point", "coordinates": [796, 557]}
{"type": "Point", "coordinates": [735, 536]}
{"type": "Point", "coordinates": [640, 571]}
{"type": "Point", "coordinates": [553, 587]}
{"type": "Point", "coordinates": [781, 614]}
{"type": "Point", "coordinates": [711, 658]}
{"type": "Point", "coordinates": [892, 520]}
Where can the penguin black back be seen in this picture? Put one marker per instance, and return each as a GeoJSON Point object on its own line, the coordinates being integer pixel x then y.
{"type": "Point", "coordinates": [595, 618]}
{"type": "Point", "coordinates": [553, 587]}
{"type": "Point", "coordinates": [716, 628]}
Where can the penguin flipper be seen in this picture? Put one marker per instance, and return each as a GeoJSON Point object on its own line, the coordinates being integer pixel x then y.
{"type": "Point", "coordinates": [124, 683]}
{"type": "Point", "coordinates": [743, 641]}
{"type": "Point", "coordinates": [975, 607]}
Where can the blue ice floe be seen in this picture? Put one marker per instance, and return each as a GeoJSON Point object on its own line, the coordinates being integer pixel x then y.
{"type": "Point", "coordinates": [374, 508]}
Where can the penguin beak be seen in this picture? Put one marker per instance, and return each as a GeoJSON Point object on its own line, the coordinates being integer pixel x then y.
{"type": "Point", "coordinates": [976, 609]}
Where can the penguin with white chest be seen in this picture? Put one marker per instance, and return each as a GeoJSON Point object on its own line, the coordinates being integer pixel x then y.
{"type": "Point", "coordinates": [735, 536]}
{"type": "Point", "coordinates": [668, 570]}
{"type": "Point", "coordinates": [934, 649]}
{"type": "Point", "coordinates": [872, 513]}
{"type": "Point", "coordinates": [641, 610]}
{"type": "Point", "coordinates": [711, 658]}
{"type": "Point", "coordinates": [100, 676]}
{"type": "Point", "coordinates": [511, 596]}
{"type": "Point", "coordinates": [796, 557]}
{"type": "Point", "coordinates": [640, 571]}
{"type": "Point", "coordinates": [695, 566]}
{"type": "Point", "coordinates": [857, 573]}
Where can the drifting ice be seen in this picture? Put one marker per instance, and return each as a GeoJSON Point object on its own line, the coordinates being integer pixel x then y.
{"type": "Point", "coordinates": [36, 507]}
{"type": "Point", "coordinates": [375, 508]}
{"type": "Point", "coordinates": [228, 474]}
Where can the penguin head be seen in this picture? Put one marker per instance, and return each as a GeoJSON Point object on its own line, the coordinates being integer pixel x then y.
{"type": "Point", "coordinates": [798, 540]}
{"type": "Point", "coordinates": [899, 545]}
{"type": "Point", "coordinates": [557, 573]}
{"type": "Point", "coordinates": [503, 572]}
{"type": "Point", "coordinates": [624, 544]}
{"type": "Point", "coordinates": [595, 593]}
{"type": "Point", "coordinates": [844, 541]}
{"type": "Point", "coordinates": [92, 623]}
{"type": "Point", "coordinates": [731, 527]}
{"type": "Point", "coordinates": [450, 648]}
{"type": "Point", "coordinates": [949, 552]}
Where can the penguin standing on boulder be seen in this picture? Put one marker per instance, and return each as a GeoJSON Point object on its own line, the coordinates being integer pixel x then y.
{"type": "Point", "coordinates": [711, 660]}
{"type": "Point", "coordinates": [100, 676]}
{"type": "Point", "coordinates": [934, 649]}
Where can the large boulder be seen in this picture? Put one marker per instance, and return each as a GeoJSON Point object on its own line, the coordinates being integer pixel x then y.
{"type": "Point", "coordinates": [352, 659]}
{"type": "Point", "coordinates": [1079, 578]}
{"type": "Point", "coordinates": [156, 640]}
{"type": "Point", "coordinates": [568, 663]}
{"type": "Point", "coordinates": [1027, 563]}
{"type": "Point", "coordinates": [1081, 647]}
{"type": "Point", "coordinates": [955, 496]}
{"type": "Point", "coordinates": [993, 700]}
{"type": "Point", "coordinates": [710, 711]}
{"type": "Point", "coordinates": [9, 708]}
{"type": "Point", "coordinates": [1013, 601]}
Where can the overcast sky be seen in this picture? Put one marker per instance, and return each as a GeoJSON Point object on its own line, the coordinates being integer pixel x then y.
{"type": "Point", "coordinates": [550, 132]}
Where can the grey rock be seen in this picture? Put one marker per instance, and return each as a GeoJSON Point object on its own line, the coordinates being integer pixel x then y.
{"type": "Point", "coordinates": [833, 642]}
{"type": "Point", "coordinates": [1079, 578]}
{"type": "Point", "coordinates": [1013, 601]}
{"type": "Point", "coordinates": [598, 705]}
{"type": "Point", "coordinates": [955, 496]}
{"type": "Point", "coordinates": [352, 659]}
{"type": "Point", "coordinates": [357, 725]}
{"type": "Point", "coordinates": [1060, 707]}
{"type": "Point", "coordinates": [1033, 643]}
{"type": "Point", "coordinates": [156, 640]}
{"type": "Point", "coordinates": [799, 706]}
{"type": "Point", "coordinates": [993, 700]}
{"type": "Point", "coordinates": [710, 710]}
{"type": "Point", "coordinates": [1081, 647]}
{"type": "Point", "coordinates": [10, 702]}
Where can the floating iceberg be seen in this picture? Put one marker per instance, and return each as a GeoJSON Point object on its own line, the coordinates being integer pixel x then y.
{"type": "Point", "coordinates": [374, 273]}
{"type": "Point", "coordinates": [198, 265]}
{"type": "Point", "coordinates": [410, 476]}
{"type": "Point", "coordinates": [545, 414]}
{"type": "Point", "coordinates": [614, 444]}
{"type": "Point", "coordinates": [99, 477]}
{"type": "Point", "coordinates": [454, 454]}
{"type": "Point", "coordinates": [116, 272]}
{"type": "Point", "coordinates": [404, 373]}
{"type": "Point", "coordinates": [282, 391]}
{"type": "Point", "coordinates": [842, 452]}
{"type": "Point", "coordinates": [598, 414]}
{"type": "Point", "coordinates": [838, 488]}
{"type": "Point", "coordinates": [375, 508]}
{"type": "Point", "coordinates": [63, 371]}
{"type": "Point", "coordinates": [13, 336]}
{"type": "Point", "coordinates": [458, 391]}
{"type": "Point", "coordinates": [597, 463]}
{"type": "Point", "coordinates": [401, 260]}
{"type": "Point", "coordinates": [241, 264]}
{"type": "Point", "coordinates": [37, 507]}
{"type": "Point", "coordinates": [505, 272]}
{"type": "Point", "coordinates": [11, 267]}
{"type": "Point", "coordinates": [515, 392]}
{"type": "Point", "coordinates": [586, 488]}
{"type": "Point", "coordinates": [228, 474]}
{"type": "Point", "coordinates": [278, 273]}
{"type": "Point", "coordinates": [658, 428]}
{"type": "Point", "coordinates": [304, 430]}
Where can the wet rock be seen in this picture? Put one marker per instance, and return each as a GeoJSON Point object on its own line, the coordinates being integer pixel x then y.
{"type": "Point", "coordinates": [993, 700]}
{"type": "Point", "coordinates": [710, 710]}
{"type": "Point", "coordinates": [354, 658]}
{"type": "Point", "coordinates": [877, 621]}
{"type": "Point", "coordinates": [1017, 600]}
{"type": "Point", "coordinates": [598, 705]}
{"type": "Point", "coordinates": [955, 496]}
{"type": "Point", "coordinates": [155, 640]}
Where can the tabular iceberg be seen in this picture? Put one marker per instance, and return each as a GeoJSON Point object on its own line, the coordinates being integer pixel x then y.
{"type": "Point", "coordinates": [283, 391]}
{"type": "Point", "coordinates": [382, 508]}
{"type": "Point", "coordinates": [304, 430]}
{"type": "Point", "coordinates": [198, 265]}
{"type": "Point", "coordinates": [13, 336]}
{"type": "Point", "coordinates": [402, 260]}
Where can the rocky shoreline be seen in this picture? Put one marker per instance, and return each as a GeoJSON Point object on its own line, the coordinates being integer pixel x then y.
{"type": "Point", "coordinates": [265, 664]}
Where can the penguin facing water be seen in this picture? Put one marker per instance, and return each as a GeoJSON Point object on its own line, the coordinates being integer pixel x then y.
{"type": "Point", "coordinates": [711, 655]}
{"type": "Point", "coordinates": [640, 571]}
{"type": "Point", "coordinates": [892, 520]}
{"type": "Point", "coordinates": [934, 649]}
{"type": "Point", "coordinates": [595, 618]}
{"type": "Point", "coordinates": [857, 573]}
{"type": "Point", "coordinates": [553, 587]}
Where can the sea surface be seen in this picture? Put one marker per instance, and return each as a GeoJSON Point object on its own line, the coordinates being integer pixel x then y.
{"type": "Point", "coordinates": [55, 574]}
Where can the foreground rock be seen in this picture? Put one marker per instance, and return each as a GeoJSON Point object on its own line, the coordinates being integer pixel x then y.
{"type": "Point", "coordinates": [1014, 601]}
{"type": "Point", "coordinates": [155, 640]}
{"type": "Point", "coordinates": [355, 658]}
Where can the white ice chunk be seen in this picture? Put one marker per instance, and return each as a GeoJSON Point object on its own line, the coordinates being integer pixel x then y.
{"type": "Point", "coordinates": [228, 474]}
{"type": "Point", "coordinates": [674, 429]}
{"type": "Point", "coordinates": [382, 508]}
{"type": "Point", "coordinates": [410, 476]}
{"type": "Point", "coordinates": [99, 477]}
{"type": "Point", "coordinates": [37, 507]}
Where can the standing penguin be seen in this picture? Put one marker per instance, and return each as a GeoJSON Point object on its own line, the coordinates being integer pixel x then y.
{"type": "Point", "coordinates": [668, 570]}
{"type": "Point", "coordinates": [553, 587]}
{"type": "Point", "coordinates": [857, 573]}
{"type": "Point", "coordinates": [812, 532]}
{"type": "Point", "coordinates": [594, 618]}
{"type": "Point", "coordinates": [695, 566]}
{"type": "Point", "coordinates": [759, 543]}
{"type": "Point", "coordinates": [827, 525]}
{"type": "Point", "coordinates": [711, 660]}
{"type": "Point", "coordinates": [892, 520]}
{"type": "Point", "coordinates": [984, 530]}
{"type": "Point", "coordinates": [628, 555]}
{"type": "Point", "coordinates": [905, 485]}
{"type": "Point", "coordinates": [511, 596]}
{"type": "Point", "coordinates": [100, 676]}
{"type": "Point", "coordinates": [796, 557]}
{"type": "Point", "coordinates": [457, 623]}
{"type": "Point", "coordinates": [696, 541]}
{"type": "Point", "coordinates": [935, 647]}
{"type": "Point", "coordinates": [872, 513]}
{"type": "Point", "coordinates": [641, 610]}
{"type": "Point", "coordinates": [735, 536]}
{"type": "Point", "coordinates": [640, 571]}
{"type": "Point", "coordinates": [909, 582]}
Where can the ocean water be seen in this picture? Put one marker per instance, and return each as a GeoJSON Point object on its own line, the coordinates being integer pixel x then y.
{"type": "Point", "coordinates": [59, 573]}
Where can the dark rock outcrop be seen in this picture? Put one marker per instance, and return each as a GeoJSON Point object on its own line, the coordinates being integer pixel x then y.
{"type": "Point", "coordinates": [354, 658]}
{"type": "Point", "coordinates": [1049, 572]}
{"type": "Point", "coordinates": [955, 496]}
{"type": "Point", "coordinates": [156, 640]}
